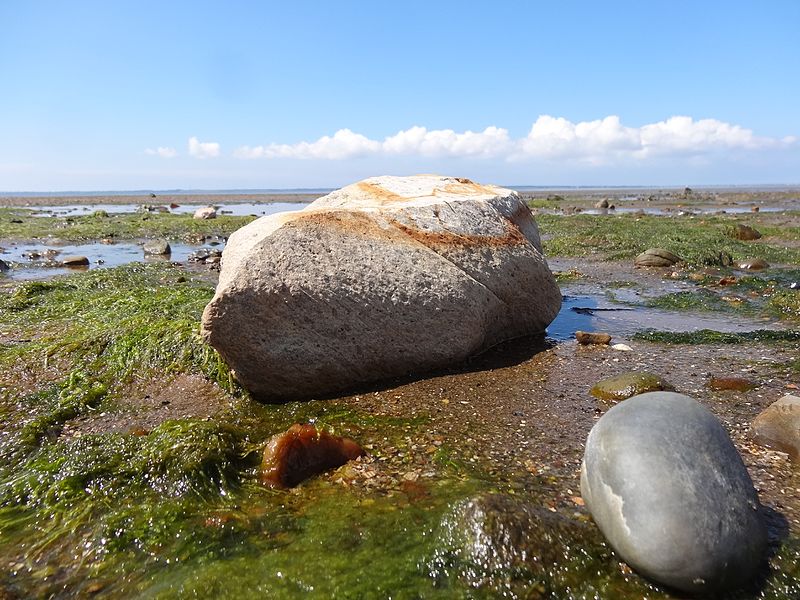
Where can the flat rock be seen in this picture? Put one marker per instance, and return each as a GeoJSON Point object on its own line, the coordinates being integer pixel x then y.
{"type": "Point", "coordinates": [656, 257]}
{"type": "Point", "coordinates": [302, 451]}
{"type": "Point", "coordinates": [622, 386]}
{"type": "Point", "coordinates": [592, 338]}
{"type": "Point", "coordinates": [738, 384]}
{"type": "Point", "coordinates": [383, 278]}
{"type": "Point", "coordinates": [157, 247]}
{"type": "Point", "coordinates": [205, 212]}
{"type": "Point", "coordinates": [75, 261]}
{"type": "Point", "coordinates": [778, 426]}
{"type": "Point", "coordinates": [667, 488]}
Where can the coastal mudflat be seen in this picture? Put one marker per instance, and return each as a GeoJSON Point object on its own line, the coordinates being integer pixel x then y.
{"type": "Point", "coordinates": [132, 452]}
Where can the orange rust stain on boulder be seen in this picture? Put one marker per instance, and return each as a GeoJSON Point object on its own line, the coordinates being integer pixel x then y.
{"type": "Point", "coordinates": [302, 451]}
{"type": "Point", "coordinates": [513, 237]}
{"type": "Point", "coordinates": [379, 193]}
{"type": "Point", "coordinates": [465, 187]}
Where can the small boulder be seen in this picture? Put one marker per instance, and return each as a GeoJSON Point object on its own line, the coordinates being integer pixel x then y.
{"type": "Point", "coordinates": [667, 488]}
{"type": "Point", "coordinates": [744, 232]}
{"type": "Point", "coordinates": [75, 261]}
{"type": "Point", "coordinates": [656, 257]}
{"type": "Point", "coordinates": [206, 212]}
{"type": "Point", "coordinates": [302, 451]}
{"type": "Point", "coordinates": [4, 266]}
{"type": "Point", "coordinates": [622, 386]}
{"type": "Point", "coordinates": [157, 248]}
{"type": "Point", "coordinates": [601, 204]}
{"type": "Point", "coordinates": [778, 426]}
{"type": "Point", "coordinates": [592, 338]}
{"type": "Point", "coordinates": [755, 264]}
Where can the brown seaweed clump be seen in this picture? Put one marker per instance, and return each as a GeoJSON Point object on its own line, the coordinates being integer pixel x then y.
{"type": "Point", "coordinates": [303, 451]}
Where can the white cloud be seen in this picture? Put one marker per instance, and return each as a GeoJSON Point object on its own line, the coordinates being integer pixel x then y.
{"type": "Point", "coordinates": [601, 141]}
{"type": "Point", "coordinates": [162, 152]}
{"type": "Point", "coordinates": [200, 149]}
{"type": "Point", "coordinates": [343, 144]}
{"type": "Point", "coordinates": [492, 141]}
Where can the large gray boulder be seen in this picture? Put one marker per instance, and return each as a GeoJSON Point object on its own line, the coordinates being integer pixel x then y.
{"type": "Point", "coordinates": [385, 277]}
{"type": "Point", "coordinates": [667, 488]}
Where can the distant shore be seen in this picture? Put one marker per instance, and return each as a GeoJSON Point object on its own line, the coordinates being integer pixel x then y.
{"type": "Point", "coordinates": [722, 194]}
{"type": "Point", "coordinates": [199, 198]}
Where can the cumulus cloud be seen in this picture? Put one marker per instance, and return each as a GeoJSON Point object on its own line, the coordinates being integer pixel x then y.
{"type": "Point", "coordinates": [550, 138]}
{"type": "Point", "coordinates": [162, 151]}
{"type": "Point", "coordinates": [200, 149]}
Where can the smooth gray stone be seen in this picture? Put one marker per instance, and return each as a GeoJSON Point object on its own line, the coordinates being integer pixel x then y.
{"type": "Point", "coordinates": [157, 247]}
{"type": "Point", "coordinates": [667, 488]}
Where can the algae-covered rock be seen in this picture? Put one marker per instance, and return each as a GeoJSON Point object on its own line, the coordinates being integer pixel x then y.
{"type": "Point", "coordinates": [622, 386]}
{"type": "Point", "coordinates": [656, 257]}
{"type": "Point", "coordinates": [744, 232]}
{"type": "Point", "coordinates": [667, 488]}
{"type": "Point", "coordinates": [499, 543]}
{"type": "Point", "coordinates": [157, 248]}
{"type": "Point", "coordinates": [778, 426]}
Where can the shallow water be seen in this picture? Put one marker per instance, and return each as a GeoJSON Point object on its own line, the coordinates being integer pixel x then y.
{"type": "Point", "coordinates": [234, 209]}
{"type": "Point", "coordinates": [101, 256]}
{"type": "Point", "coordinates": [597, 313]}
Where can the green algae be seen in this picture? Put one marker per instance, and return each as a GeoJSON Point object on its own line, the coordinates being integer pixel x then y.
{"type": "Point", "coordinates": [710, 336]}
{"type": "Point", "coordinates": [697, 241]}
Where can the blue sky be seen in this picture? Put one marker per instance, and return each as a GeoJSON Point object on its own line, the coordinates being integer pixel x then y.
{"type": "Point", "coordinates": [156, 95]}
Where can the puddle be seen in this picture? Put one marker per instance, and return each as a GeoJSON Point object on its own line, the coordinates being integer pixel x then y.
{"type": "Point", "coordinates": [100, 256]}
{"type": "Point", "coordinates": [597, 313]}
{"type": "Point", "coordinates": [233, 209]}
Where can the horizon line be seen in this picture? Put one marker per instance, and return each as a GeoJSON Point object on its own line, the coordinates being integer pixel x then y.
{"type": "Point", "coordinates": [314, 190]}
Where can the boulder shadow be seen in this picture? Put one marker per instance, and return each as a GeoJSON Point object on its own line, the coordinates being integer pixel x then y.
{"type": "Point", "coordinates": [505, 354]}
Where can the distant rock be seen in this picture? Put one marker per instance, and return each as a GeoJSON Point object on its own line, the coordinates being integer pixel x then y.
{"type": "Point", "coordinates": [601, 204]}
{"type": "Point", "coordinates": [656, 257]}
{"type": "Point", "coordinates": [302, 451]}
{"type": "Point", "coordinates": [75, 261]}
{"type": "Point", "coordinates": [157, 247]}
{"type": "Point", "coordinates": [592, 338]}
{"type": "Point", "coordinates": [386, 277]}
{"type": "Point", "coordinates": [4, 266]}
{"type": "Point", "coordinates": [744, 232]}
{"type": "Point", "coordinates": [667, 488]}
{"type": "Point", "coordinates": [622, 386]}
{"type": "Point", "coordinates": [778, 426]}
{"type": "Point", "coordinates": [206, 212]}
{"type": "Point", "coordinates": [754, 264]}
